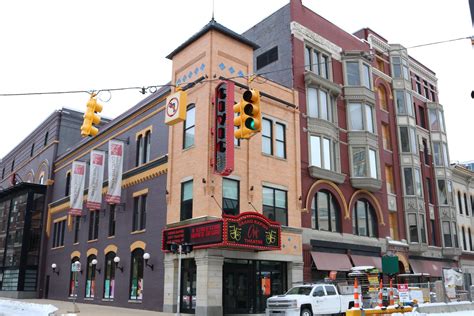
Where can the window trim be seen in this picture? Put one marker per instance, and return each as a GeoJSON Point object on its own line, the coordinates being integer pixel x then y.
{"type": "Point", "coordinates": [274, 189]}
{"type": "Point", "coordinates": [183, 183]}
{"type": "Point", "coordinates": [224, 198]}
{"type": "Point", "coordinates": [189, 107]}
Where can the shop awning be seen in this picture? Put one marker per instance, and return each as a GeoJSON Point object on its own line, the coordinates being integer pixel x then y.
{"type": "Point", "coordinates": [367, 261]}
{"type": "Point", "coordinates": [328, 261]}
{"type": "Point", "coordinates": [433, 268]}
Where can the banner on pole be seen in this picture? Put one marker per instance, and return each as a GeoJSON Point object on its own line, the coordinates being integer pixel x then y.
{"type": "Point", "coordinates": [96, 178]}
{"type": "Point", "coordinates": [114, 191]}
{"type": "Point", "coordinates": [77, 187]}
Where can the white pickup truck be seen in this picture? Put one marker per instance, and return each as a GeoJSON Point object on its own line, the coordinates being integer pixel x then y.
{"type": "Point", "coordinates": [308, 300]}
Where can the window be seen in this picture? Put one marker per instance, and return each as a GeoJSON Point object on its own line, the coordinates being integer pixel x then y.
{"type": "Point", "coordinates": [418, 84]}
{"type": "Point", "coordinates": [408, 139]}
{"type": "Point", "coordinates": [430, 191]}
{"type": "Point", "coordinates": [3, 173]}
{"type": "Point", "coordinates": [440, 153]}
{"type": "Point", "coordinates": [426, 154]}
{"type": "Point", "coordinates": [448, 242]}
{"type": "Point", "coordinates": [73, 279]}
{"type": "Point", "coordinates": [94, 224]}
{"type": "Point", "coordinates": [58, 233]}
{"type": "Point", "coordinates": [143, 148]}
{"type": "Point", "coordinates": [466, 205]}
{"type": "Point", "coordinates": [425, 87]}
{"type": "Point", "coordinates": [422, 228]}
{"type": "Point", "coordinates": [361, 117]}
{"type": "Point", "coordinates": [400, 67]}
{"type": "Point", "coordinates": [389, 179]}
{"type": "Point", "coordinates": [279, 149]}
{"type": "Point", "coordinates": [139, 213]}
{"type": "Point", "coordinates": [436, 120]}
{"type": "Point", "coordinates": [364, 163]}
{"type": "Point", "coordinates": [32, 149]}
{"type": "Point", "coordinates": [459, 202]}
{"type": "Point", "coordinates": [433, 93]}
{"type": "Point", "coordinates": [422, 119]}
{"type": "Point", "coordinates": [46, 138]}
{"type": "Point", "coordinates": [139, 153]}
{"type": "Point", "coordinates": [404, 103]}
{"type": "Point", "coordinates": [382, 94]}
{"type": "Point", "coordinates": [455, 235]}
{"type": "Point", "coordinates": [230, 196]}
{"type": "Point", "coordinates": [68, 184]}
{"type": "Point", "coordinates": [267, 146]}
{"type": "Point", "coordinates": [189, 126]}
{"type": "Point", "coordinates": [267, 57]}
{"type": "Point", "coordinates": [90, 277]}
{"type": "Point", "coordinates": [330, 290]}
{"type": "Point", "coordinates": [409, 187]}
{"type": "Point", "coordinates": [186, 200]}
{"type": "Point", "coordinates": [13, 165]}
{"type": "Point", "coordinates": [470, 239]}
{"type": "Point", "coordinates": [433, 232]}
{"type": "Point", "coordinates": [418, 186]}
{"type": "Point", "coordinates": [325, 212]}
{"type": "Point", "coordinates": [472, 205]}
{"type": "Point", "coordinates": [413, 228]}
{"type": "Point", "coordinates": [77, 227]}
{"type": "Point", "coordinates": [322, 153]}
{"type": "Point", "coordinates": [364, 221]}
{"type": "Point", "coordinates": [443, 197]}
{"type": "Point", "coordinates": [112, 219]}
{"type": "Point", "coordinates": [136, 275]}
{"type": "Point", "coordinates": [358, 74]}
{"type": "Point", "coordinates": [317, 62]}
{"type": "Point", "coordinates": [319, 104]}
{"type": "Point", "coordinates": [386, 138]}
{"type": "Point", "coordinates": [280, 139]}
{"type": "Point", "coordinates": [109, 275]}
{"type": "Point", "coordinates": [464, 244]}
{"type": "Point", "coordinates": [275, 205]}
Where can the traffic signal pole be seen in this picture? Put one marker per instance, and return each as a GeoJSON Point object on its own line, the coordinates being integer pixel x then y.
{"type": "Point", "coordinates": [178, 309]}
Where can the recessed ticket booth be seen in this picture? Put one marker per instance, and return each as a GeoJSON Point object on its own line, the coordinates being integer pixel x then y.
{"type": "Point", "coordinates": [233, 272]}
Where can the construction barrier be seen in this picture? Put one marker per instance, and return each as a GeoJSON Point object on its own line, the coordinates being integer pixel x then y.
{"type": "Point", "coordinates": [379, 311]}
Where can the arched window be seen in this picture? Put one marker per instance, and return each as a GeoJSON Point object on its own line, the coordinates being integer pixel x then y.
{"type": "Point", "coordinates": [109, 275]}
{"type": "Point", "coordinates": [136, 275]}
{"type": "Point", "coordinates": [73, 279]}
{"type": "Point", "coordinates": [68, 184]}
{"type": "Point", "coordinates": [364, 221]}
{"type": "Point", "coordinates": [325, 212]}
{"type": "Point", "coordinates": [90, 277]}
{"type": "Point", "coordinates": [382, 97]}
{"type": "Point", "coordinates": [41, 179]}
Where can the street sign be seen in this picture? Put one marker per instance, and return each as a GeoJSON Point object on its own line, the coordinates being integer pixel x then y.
{"type": "Point", "coordinates": [403, 293]}
{"type": "Point", "coordinates": [76, 266]}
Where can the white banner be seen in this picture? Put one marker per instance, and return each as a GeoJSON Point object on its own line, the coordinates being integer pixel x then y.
{"type": "Point", "coordinates": [77, 187]}
{"type": "Point", "coordinates": [96, 179]}
{"type": "Point", "coordinates": [114, 191]}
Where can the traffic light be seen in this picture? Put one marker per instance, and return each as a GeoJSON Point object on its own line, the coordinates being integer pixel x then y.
{"type": "Point", "coordinates": [250, 116]}
{"type": "Point", "coordinates": [91, 118]}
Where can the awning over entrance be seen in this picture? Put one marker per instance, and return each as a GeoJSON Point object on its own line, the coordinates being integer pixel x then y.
{"type": "Point", "coordinates": [367, 261]}
{"type": "Point", "coordinates": [433, 268]}
{"type": "Point", "coordinates": [327, 261]}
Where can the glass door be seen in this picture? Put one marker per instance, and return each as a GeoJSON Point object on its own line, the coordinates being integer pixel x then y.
{"type": "Point", "coordinates": [188, 286]}
{"type": "Point", "coordinates": [238, 288]}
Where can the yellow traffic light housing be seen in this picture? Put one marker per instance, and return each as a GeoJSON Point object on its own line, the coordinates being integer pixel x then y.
{"type": "Point", "coordinates": [249, 120]}
{"type": "Point", "coordinates": [91, 118]}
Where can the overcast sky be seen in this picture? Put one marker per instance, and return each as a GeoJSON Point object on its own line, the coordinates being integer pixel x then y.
{"type": "Point", "coordinates": [91, 45]}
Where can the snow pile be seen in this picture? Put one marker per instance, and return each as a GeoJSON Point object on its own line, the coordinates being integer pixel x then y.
{"type": "Point", "coordinates": [18, 308]}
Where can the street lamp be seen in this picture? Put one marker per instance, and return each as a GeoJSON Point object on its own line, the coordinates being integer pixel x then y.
{"type": "Point", "coordinates": [117, 261]}
{"type": "Point", "coordinates": [146, 257]}
{"type": "Point", "coordinates": [54, 266]}
{"type": "Point", "coordinates": [94, 263]}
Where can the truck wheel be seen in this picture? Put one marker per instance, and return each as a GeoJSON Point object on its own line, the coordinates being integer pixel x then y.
{"type": "Point", "coordinates": [306, 312]}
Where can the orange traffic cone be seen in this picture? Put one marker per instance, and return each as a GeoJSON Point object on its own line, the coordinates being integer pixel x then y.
{"type": "Point", "coordinates": [356, 294]}
{"type": "Point", "coordinates": [390, 293]}
{"type": "Point", "coordinates": [380, 300]}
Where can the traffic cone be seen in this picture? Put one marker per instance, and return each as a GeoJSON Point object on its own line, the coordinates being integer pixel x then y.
{"type": "Point", "coordinates": [380, 300]}
{"type": "Point", "coordinates": [390, 293]}
{"type": "Point", "coordinates": [356, 294]}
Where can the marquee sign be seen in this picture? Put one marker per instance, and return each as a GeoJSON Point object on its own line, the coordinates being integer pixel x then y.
{"type": "Point", "coordinates": [249, 230]}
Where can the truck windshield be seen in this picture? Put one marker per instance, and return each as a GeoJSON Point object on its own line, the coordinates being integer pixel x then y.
{"type": "Point", "coordinates": [301, 290]}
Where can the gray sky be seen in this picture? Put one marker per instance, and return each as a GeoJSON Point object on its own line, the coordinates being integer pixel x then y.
{"type": "Point", "coordinates": [91, 45]}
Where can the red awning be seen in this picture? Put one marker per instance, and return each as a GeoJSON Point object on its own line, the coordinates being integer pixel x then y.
{"type": "Point", "coordinates": [367, 261]}
{"type": "Point", "coordinates": [433, 268]}
{"type": "Point", "coordinates": [327, 261]}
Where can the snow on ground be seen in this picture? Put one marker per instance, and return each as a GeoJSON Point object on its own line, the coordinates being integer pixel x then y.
{"type": "Point", "coordinates": [463, 313]}
{"type": "Point", "coordinates": [18, 308]}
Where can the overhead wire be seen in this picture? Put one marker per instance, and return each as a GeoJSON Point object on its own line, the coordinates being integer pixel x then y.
{"type": "Point", "coordinates": [154, 88]}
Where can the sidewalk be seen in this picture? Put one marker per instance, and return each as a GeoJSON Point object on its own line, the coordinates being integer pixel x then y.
{"type": "Point", "coordinates": [92, 309]}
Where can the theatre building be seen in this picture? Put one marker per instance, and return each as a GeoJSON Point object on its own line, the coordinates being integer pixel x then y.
{"type": "Point", "coordinates": [110, 238]}
{"type": "Point", "coordinates": [241, 213]}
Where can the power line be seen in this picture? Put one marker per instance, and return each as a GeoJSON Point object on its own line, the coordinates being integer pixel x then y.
{"type": "Point", "coordinates": [154, 88]}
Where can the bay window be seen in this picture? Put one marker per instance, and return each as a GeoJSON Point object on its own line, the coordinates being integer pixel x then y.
{"type": "Point", "coordinates": [358, 73]}
{"type": "Point", "coordinates": [319, 104]}
{"type": "Point", "coordinates": [404, 102]}
{"type": "Point", "coordinates": [364, 162]}
{"type": "Point", "coordinates": [361, 117]}
{"type": "Point", "coordinates": [400, 68]}
{"type": "Point", "coordinates": [321, 152]}
{"type": "Point", "coordinates": [408, 140]}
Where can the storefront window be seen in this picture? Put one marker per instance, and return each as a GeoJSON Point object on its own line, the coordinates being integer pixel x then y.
{"type": "Point", "coordinates": [73, 279]}
{"type": "Point", "coordinates": [136, 275]}
{"type": "Point", "coordinates": [248, 284]}
{"type": "Point", "coordinates": [90, 277]}
{"type": "Point", "coordinates": [109, 277]}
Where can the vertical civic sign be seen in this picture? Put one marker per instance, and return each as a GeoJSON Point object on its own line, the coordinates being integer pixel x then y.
{"type": "Point", "coordinates": [96, 178]}
{"type": "Point", "coordinates": [77, 187]}
{"type": "Point", "coordinates": [224, 145]}
{"type": "Point", "coordinates": [114, 191]}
